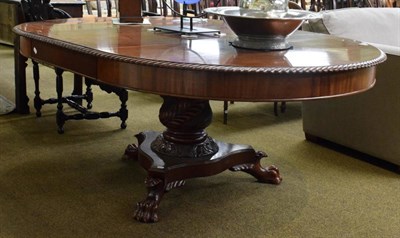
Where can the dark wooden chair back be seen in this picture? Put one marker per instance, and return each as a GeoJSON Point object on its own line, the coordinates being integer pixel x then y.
{"type": "Point", "coordinates": [39, 10]}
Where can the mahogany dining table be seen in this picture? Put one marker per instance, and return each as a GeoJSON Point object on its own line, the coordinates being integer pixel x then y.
{"type": "Point", "coordinates": [188, 72]}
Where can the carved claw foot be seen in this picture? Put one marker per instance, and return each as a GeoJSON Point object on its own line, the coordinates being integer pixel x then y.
{"type": "Point", "coordinates": [264, 175]}
{"type": "Point", "coordinates": [146, 210]}
{"type": "Point", "coordinates": [131, 152]}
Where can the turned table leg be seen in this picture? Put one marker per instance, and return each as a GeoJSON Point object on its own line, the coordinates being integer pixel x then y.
{"type": "Point", "coordinates": [21, 98]}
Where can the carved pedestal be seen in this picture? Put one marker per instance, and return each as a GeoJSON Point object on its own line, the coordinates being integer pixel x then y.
{"type": "Point", "coordinates": [184, 150]}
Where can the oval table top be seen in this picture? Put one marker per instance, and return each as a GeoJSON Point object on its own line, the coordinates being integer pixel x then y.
{"type": "Point", "coordinates": [204, 67]}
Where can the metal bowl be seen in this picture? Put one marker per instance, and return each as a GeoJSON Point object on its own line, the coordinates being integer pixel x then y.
{"type": "Point", "coordinates": [262, 30]}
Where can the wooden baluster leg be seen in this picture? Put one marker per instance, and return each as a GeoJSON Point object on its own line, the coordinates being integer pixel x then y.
{"type": "Point", "coordinates": [21, 98]}
{"type": "Point", "coordinates": [283, 107]}
{"type": "Point", "coordinates": [109, 6]}
{"type": "Point", "coordinates": [123, 111]}
{"type": "Point", "coordinates": [225, 112]}
{"type": "Point", "coordinates": [99, 10]}
{"type": "Point", "coordinates": [60, 117]}
{"type": "Point", "coordinates": [89, 93]}
{"type": "Point", "coordinates": [77, 88]}
{"type": "Point", "coordinates": [37, 101]}
{"type": "Point", "coordinates": [276, 108]}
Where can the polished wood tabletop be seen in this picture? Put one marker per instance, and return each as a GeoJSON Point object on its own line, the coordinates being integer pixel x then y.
{"type": "Point", "coordinates": [187, 73]}
{"type": "Point", "coordinates": [208, 67]}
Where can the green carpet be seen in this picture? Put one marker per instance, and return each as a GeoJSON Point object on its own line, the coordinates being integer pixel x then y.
{"type": "Point", "coordinates": [77, 185]}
